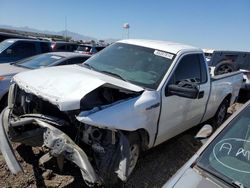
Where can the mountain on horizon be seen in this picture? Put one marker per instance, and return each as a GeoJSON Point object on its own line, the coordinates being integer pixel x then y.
{"type": "Point", "coordinates": [73, 35]}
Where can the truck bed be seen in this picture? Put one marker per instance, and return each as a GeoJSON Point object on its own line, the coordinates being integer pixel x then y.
{"type": "Point", "coordinates": [231, 81]}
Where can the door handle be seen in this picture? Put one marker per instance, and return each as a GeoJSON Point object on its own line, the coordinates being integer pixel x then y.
{"type": "Point", "coordinates": [201, 94]}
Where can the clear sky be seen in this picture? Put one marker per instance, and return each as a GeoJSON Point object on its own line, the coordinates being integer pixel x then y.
{"type": "Point", "coordinates": [220, 24]}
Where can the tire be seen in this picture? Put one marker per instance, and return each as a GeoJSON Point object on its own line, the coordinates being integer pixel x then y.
{"type": "Point", "coordinates": [221, 114]}
{"type": "Point", "coordinates": [225, 67]}
{"type": "Point", "coordinates": [135, 149]}
{"type": "Point", "coordinates": [112, 180]}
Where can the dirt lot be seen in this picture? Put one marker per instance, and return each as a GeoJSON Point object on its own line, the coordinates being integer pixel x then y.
{"type": "Point", "coordinates": [154, 168]}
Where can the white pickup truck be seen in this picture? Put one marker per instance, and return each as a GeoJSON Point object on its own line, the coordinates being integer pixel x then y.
{"type": "Point", "coordinates": [130, 97]}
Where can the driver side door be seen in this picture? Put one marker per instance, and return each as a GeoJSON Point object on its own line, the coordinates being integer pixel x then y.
{"type": "Point", "coordinates": [180, 113]}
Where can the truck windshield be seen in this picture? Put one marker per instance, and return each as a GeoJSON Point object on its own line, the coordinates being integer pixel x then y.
{"type": "Point", "coordinates": [5, 44]}
{"type": "Point", "coordinates": [228, 155]}
{"type": "Point", "coordinates": [142, 66]}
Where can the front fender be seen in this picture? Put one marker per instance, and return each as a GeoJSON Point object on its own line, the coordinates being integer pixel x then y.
{"type": "Point", "coordinates": [137, 113]}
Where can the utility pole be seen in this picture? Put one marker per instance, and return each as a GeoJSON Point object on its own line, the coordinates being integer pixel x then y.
{"type": "Point", "coordinates": [65, 33]}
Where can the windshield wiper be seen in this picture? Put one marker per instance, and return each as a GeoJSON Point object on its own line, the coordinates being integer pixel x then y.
{"type": "Point", "coordinates": [18, 65]}
{"type": "Point", "coordinates": [88, 66]}
{"type": "Point", "coordinates": [105, 72]}
{"type": "Point", "coordinates": [238, 184]}
{"type": "Point", "coordinates": [113, 74]}
{"type": "Point", "coordinates": [225, 179]}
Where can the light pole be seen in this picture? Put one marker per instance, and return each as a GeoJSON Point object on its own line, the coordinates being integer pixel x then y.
{"type": "Point", "coordinates": [126, 26]}
{"type": "Point", "coordinates": [66, 28]}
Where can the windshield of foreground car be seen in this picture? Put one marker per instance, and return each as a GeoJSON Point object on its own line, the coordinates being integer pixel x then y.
{"type": "Point", "coordinates": [229, 153]}
{"type": "Point", "coordinates": [39, 61]}
{"type": "Point", "coordinates": [5, 44]}
{"type": "Point", "coordinates": [139, 65]}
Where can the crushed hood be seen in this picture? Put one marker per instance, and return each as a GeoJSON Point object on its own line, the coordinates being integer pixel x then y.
{"type": "Point", "coordinates": [65, 86]}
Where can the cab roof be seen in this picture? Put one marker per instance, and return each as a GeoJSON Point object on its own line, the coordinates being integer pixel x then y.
{"type": "Point", "coordinates": [161, 45]}
{"type": "Point", "coordinates": [21, 39]}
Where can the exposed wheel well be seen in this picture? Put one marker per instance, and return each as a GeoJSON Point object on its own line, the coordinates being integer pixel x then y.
{"type": "Point", "coordinates": [143, 137]}
{"type": "Point", "coordinates": [228, 97]}
{"type": "Point", "coordinates": [221, 112]}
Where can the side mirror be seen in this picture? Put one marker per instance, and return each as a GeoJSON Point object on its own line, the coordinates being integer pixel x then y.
{"type": "Point", "coordinates": [187, 90]}
{"type": "Point", "coordinates": [204, 133]}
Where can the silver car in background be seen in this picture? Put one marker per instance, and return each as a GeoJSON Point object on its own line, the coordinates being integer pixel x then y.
{"type": "Point", "coordinates": [224, 161]}
{"type": "Point", "coordinates": [8, 70]}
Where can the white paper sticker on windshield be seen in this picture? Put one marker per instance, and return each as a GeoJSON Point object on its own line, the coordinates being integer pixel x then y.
{"type": "Point", "coordinates": [233, 153]}
{"type": "Point", "coordinates": [163, 54]}
{"type": "Point", "coordinates": [56, 57]}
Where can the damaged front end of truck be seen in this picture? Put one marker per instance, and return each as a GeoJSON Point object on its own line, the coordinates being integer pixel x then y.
{"type": "Point", "coordinates": [101, 153]}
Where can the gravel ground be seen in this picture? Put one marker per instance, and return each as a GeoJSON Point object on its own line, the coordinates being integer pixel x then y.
{"type": "Point", "coordinates": [154, 167]}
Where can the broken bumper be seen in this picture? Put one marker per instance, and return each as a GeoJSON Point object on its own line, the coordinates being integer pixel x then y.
{"type": "Point", "coordinates": [5, 146]}
{"type": "Point", "coordinates": [59, 143]}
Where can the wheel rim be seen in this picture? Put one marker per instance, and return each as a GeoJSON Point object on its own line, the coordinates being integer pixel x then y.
{"type": "Point", "coordinates": [225, 69]}
{"type": "Point", "coordinates": [221, 115]}
{"type": "Point", "coordinates": [133, 158]}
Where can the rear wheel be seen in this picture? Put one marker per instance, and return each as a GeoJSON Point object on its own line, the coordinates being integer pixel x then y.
{"type": "Point", "coordinates": [221, 114]}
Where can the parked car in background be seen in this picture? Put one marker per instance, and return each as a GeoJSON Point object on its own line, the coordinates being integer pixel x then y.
{"type": "Point", "coordinates": [89, 49]}
{"type": "Point", "coordinates": [224, 160]}
{"type": "Point", "coordinates": [16, 49]}
{"type": "Point", "coordinates": [5, 35]}
{"type": "Point", "coordinates": [222, 62]}
{"type": "Point", "coordinates": [60, 46]}
{"type": "Point", "coordinates": [131, 96]}
{"type": "Point", "coordinates": [8, 70]}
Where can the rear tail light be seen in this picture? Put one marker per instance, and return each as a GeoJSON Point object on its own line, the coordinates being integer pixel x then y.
{"type": "Point", "coordinates": [53, 45]}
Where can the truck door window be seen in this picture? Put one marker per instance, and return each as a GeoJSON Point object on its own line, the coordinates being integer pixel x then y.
{"type": "Point", "coordinates": [61, 48]}
{"type": "Point", "coordinates": [72, 47]}
{"type": "Point", "coordinates": [188, 69]}
{"type": "Point", "coordinates": [45, 47]}
{"type": "Point", "coordinates": [24, 49]}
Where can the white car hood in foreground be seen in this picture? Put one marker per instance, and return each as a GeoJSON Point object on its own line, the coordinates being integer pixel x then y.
{"type": "Point", "coordinates": [191, 179]}
{"type": "Point", "coordinates": [65, 86]}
